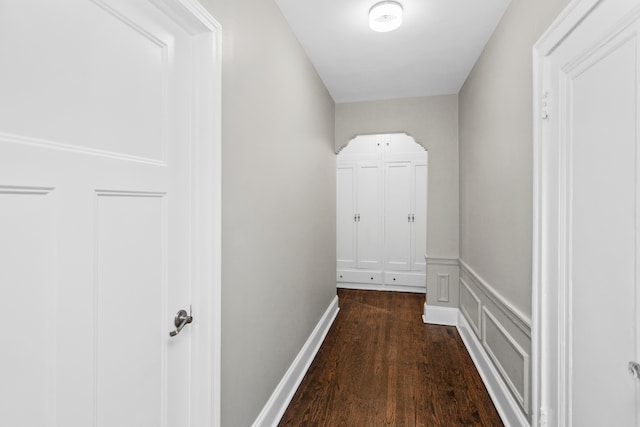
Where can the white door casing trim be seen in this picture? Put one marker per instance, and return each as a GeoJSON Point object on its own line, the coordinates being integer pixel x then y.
{"type": "Point", "coordinates": [206, 187]}
{"type": "Point", "coordinates": [561, 27]}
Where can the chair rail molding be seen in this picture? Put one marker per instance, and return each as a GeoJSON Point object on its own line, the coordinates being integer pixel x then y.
{"type": "Point", "coordinates": [517, 317]}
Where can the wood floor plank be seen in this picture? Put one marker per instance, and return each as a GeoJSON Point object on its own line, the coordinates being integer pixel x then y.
{"type": "Point", "coordinates": [381, 366]}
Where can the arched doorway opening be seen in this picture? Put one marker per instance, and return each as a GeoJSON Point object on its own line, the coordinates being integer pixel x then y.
{"type": "Point", "coordinates": [381, 213]}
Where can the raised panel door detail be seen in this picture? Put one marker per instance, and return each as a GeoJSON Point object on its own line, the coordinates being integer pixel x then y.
{"type": "Point", "coordinates": [398, 216]}
{"type": "Point", "coordinates": [346, 216]}
{"type": "Point", "coordinates": [29, 284]}
{"type": "Point", "coordinates": [130, 324]}
{"type": "Point", "coordinates": [369, 236]}
{"type": "Point", "coordinates": [106, 70]}
{"type": "Point", "coordinates": [602, 214]}
{"type": "Point", "coordinates": [419, 223]}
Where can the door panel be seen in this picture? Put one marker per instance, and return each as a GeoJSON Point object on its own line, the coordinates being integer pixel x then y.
{"type": "Point", "coordinates": [369, 219]}
{"type": "Point", "coordinates": [345, 216]}
{"type": "Point", "coordinates": [419, 235]}
{"type": "Point", "coordinates": [398, 215]}
{"type": "Point", "coordinates": [95, 207]}
{"type": "Point", "coordinates": [28, 253]}
{"type": "Point", "coordinates": [101, 93]}
{"type": "Point", "coordinates": [130, 251]}
{"type": "Point", "coordinates": [602, 195]}
{"type": "Point", "coordinates": [589, 232]}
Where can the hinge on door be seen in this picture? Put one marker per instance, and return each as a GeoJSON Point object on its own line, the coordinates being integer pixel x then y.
{"type": "Point", "coordinates": [544, 114]}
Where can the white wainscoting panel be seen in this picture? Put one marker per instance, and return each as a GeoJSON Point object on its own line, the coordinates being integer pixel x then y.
{"type": "Point", "coordinates": [442, 280]}
{"type": "Point", "coordinates": [503, 332]}
{"type": "Point", "coordinates": [511, 359]}
{"type": "Point", "coordinates": [506, 405]}
{"type": "Point", "coordinates": [517, 317]}
{"type": "Point", "coordinates": [277, 404]}
{"type": "Point", "coordinates": [471, 307]}
{"type": "Point", "coordinates": [443, 287]}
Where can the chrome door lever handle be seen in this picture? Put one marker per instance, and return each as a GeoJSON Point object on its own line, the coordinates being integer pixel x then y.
{"type": "Point", "coordinates": [181, 320]}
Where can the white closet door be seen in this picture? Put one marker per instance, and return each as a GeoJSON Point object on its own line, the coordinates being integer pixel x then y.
{"type": "Point", "coordinates": [345, 217]}
{"type": "Point", "coordinates": [369, 218]}
{"type": "Point", "coordinates": [398, 216]}
{"type": "Point", "coordinates": [419, 219]}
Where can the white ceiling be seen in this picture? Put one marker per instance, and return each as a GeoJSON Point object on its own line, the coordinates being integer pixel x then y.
{"type": "Point", "coordinates": [432, 52]}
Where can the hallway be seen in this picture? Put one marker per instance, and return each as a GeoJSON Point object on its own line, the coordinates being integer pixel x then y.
{"type": "Point", "coordinates": [380, 365]}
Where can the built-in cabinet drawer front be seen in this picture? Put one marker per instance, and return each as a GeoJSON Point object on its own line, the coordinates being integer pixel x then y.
{"type": "Point", "coordinates": [404, 279]}
{"type": "Point", "coordinates": [363, 276]}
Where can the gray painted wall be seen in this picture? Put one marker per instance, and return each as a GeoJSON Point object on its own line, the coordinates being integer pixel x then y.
{"type": "Point", "coordinates": [278, 202]}
{"type": "Point", "coordinates": [496, 153]}
{"type": "Point", "coordinates": [433, 122]}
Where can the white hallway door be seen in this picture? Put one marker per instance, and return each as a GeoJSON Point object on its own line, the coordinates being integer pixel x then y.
{"type": "Point", "coordinates": [589, 221]}
{"type": "Point", "coordinates": [97, 208]}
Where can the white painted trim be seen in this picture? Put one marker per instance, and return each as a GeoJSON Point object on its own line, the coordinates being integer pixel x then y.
{"type": "Point", "coordinates": [523, 399]}
{"type": "Point", "coordinates": [506, 405]}
{"type": "Point", "coordinates": [282, 395]}
{"type": "Point", "coordinates": [381, 287]}
{"type": "Point", "coordinates": [443, 285]}
{"type": "Point", "coordinates": [564, 24]}
{"type": "Point", "coordinates": [475, 324]}
{"type": "Point", "coordinates": [206, 178]}
{"type": "Point", "coordinates": [521, 320]}
{"type": "Point", "coordinates": [435, 315]}
{"type": "Point", "coordinates": [441, 261]}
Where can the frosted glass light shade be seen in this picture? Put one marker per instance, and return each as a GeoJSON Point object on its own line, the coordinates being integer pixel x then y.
{"type": "Point", "coordinates": [385, 16]}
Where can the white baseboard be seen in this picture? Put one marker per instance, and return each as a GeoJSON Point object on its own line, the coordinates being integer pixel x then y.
{"type": "Point", "coordinates": [380, 287]}
{"type": "Point", "coordinates": [505, 403]}
{"type": "Point", "coordinates": [437, 315]}
{"type": "Point", "coordinates": [277, 404]}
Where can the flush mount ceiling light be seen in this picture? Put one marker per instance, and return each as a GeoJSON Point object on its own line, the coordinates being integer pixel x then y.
{"type": "Point", "coordinates": [385, 16]}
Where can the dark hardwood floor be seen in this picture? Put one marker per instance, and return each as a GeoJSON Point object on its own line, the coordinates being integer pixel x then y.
{"type": "Point", "coordinates": [381, 366]}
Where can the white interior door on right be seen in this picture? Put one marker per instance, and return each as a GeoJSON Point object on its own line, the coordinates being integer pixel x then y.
{"type": "Point", "coordinates": [591, 221]}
